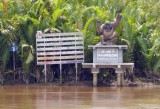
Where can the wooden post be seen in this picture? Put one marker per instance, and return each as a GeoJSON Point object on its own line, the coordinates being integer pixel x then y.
{"type": "Point", "coordinates": [75, 58]}
{"type": "Point", "coordinates": [120, 77]}
{"type": "Point", "coordinates": [95, 71]}
{"type": "Point", "coordinates": [76, 72]}
{"type": "Point", "coordinates": [94, 79]}
{"type": "Point", "coordinates": [45, 73]}
{"type": "Point", "coordinates": [123, 82]}
{"type": "Point", "coordinates": [60, 74]}
{"type": "Point", "coordinates": [119, 81]}
{"type": "Point", "coordinates": [14, 65]}
{"type": "Point", "coordinates": [1, 77]}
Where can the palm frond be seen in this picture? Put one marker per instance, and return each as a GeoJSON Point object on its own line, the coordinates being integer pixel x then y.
{"type": "Point", "coordinates": [143, 44]}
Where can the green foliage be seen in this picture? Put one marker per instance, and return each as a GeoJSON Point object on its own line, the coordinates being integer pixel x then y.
{"type": "Point", "coordinates": [139, 26]}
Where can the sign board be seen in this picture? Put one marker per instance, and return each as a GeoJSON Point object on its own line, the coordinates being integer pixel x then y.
{"type": "Point", "coordinates": [59, 48]}
{"type": "Point", "coordinates": [13, 47]}
{"type": "Point", "coordinates": [107, 55]}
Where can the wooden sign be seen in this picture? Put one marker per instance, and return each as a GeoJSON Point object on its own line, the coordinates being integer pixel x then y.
{"type": "Point", "coordinates": [107, 55]}
{"type": "Point", "coordinates": [59, 48]}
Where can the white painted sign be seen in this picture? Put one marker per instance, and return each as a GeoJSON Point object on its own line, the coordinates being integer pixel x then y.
{"type": "Point", "coordinates": [59, 48]}
{"type": "Point", "coordinates": [107, 55]}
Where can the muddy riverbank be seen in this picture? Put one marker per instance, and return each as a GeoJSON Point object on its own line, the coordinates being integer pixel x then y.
{"type": "Point", "coordinates": [139, 82]}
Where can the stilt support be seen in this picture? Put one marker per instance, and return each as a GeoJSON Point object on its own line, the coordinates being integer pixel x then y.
{"type": "Point", "coordinates": [95, 72]}
{"type": "Point", "coordinates": [120, 77]}
{"type": "Point", "coordinates": [45, 72]}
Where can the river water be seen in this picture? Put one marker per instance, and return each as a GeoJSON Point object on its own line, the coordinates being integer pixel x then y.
{"type": "Point", "coordinates": [71, 97]}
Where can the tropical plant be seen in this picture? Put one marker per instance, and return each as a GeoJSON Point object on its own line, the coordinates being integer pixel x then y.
{"type": "Point", "coordinates": [139, 27]}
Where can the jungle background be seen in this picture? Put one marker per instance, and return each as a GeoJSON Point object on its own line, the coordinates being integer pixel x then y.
{"type": "Point", "coordinates": [139, 29]}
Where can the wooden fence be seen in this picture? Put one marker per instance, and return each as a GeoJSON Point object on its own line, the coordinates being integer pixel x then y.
{"type": "Point", "coordinates": [59, 48]}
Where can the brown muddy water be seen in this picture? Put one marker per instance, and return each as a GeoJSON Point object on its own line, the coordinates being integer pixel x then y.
{"type": "Point", "coordinates": [71, 97]}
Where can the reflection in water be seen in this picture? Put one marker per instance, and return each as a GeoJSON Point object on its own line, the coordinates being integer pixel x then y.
{"type": "Point", "coordinates": [51, 97]}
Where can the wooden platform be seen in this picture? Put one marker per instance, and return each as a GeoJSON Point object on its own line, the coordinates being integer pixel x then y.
{"type": "Point", "coordinates": [119, 69]}
{"type": "Point", "coordinates": [110, 65]}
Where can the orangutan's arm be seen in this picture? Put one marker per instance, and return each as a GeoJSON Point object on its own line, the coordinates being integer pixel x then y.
{"type": "Point", "coordinates": [118, 18]}
{"type": "Point", "coordinates": [99, 29]}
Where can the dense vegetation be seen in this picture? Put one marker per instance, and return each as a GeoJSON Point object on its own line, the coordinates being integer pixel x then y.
{"type": "Point", "coordinates": [19, 22]}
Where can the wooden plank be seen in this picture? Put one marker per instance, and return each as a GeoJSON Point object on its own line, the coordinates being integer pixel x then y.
{"type": "Point", "coordinates": [58, 53]}
{"type": "Point", "coordinates": [60, 48]}
{"type": "Point", "coordinates": [110, 65]}
{"type": "Point", "coordinates": [108, 46]}
{"type": "Point", "coordinates": [62, 34]}
{"type": "Point", "coordinates": [59, 44]}
{"type": "Point", "coordinates": [59, 39]}
{"type": "Point", "coordinates": [60, 57]}
{"type": "Point", "coordinates": [60, 62]}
